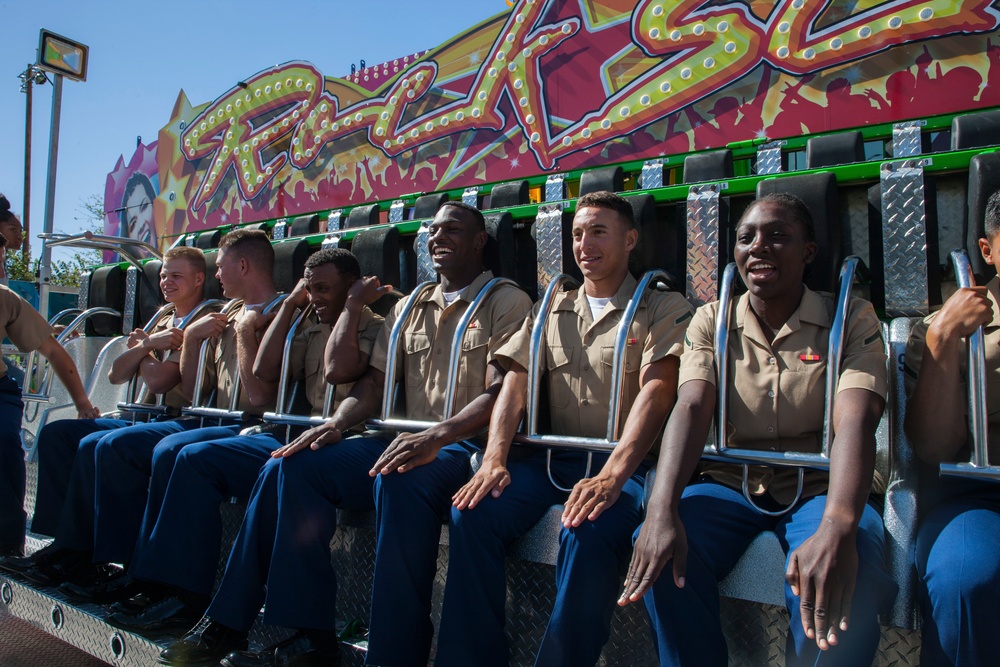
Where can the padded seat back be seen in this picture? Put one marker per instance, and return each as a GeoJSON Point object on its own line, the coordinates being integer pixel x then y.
{"type": "Point", "coordinates": [377, 251]}
{"type": "Point", "coordinates": [609, 179]}
{"type": "Point", "coordinates": [213, 289]}
{"type": "Point", "coordinates": [427, 206]}
{"type": "Point", "coordinates": [834, 149]}
{"type": "Point", "coordinates": [304, 225]}
{"type": "Point", "coordinates": [208, 240]}
{"type": "Point", "coordinates": [710, 166]}
{"type": "Point", "coordinates": [499, 255]}
{"type": "Point", "coordinates": [984, 180]}
{"type": "Point", "coordinates": [149, 297]}
{"type": "Point", "coordinates": [290, 263]}
{"type": "Point", "coordinates": [363, 216]}
{"type": "Point", "coordinates": [107, 289]}
{"type": "Point", "coordinates": [975, 130]}
{"type": "Point", "coordinates": [510, 194]}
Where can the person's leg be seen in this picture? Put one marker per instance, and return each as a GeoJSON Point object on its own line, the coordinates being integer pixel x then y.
{"type": "Point", "coordinates": [411, 507]}
{"type": "Point", "coordinates": [685, 622]}
{"type": "Point", "coordinates": [588, 578]}
{"type": "Point", "coordinates": [473, 618]}
{"type": "Point", "coordinates": [12, 470]}
{"type": "Point", "coordinates": [76, 522]}
{"type": "Point", "coordinates": [959, 572]}
{"type": "Point", "coordinates": [874, 590]}
{"type": "Point", "coordinates": [183, 548]}
{"type": "Point", "coordinates": [56, 444]}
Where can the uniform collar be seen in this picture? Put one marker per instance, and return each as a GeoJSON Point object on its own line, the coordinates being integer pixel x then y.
{"type": "Point", "coordinates": [468, 294]}
{"type": "Point", "coordinates": [811, 310]}
{"type": "Point", "coordinates": [581, 306]}
{"type": "Point", "coordinates": [993, 290]}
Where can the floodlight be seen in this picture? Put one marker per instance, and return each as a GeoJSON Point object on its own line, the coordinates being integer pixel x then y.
{"type": "Point", "coordinates": [62, 56]}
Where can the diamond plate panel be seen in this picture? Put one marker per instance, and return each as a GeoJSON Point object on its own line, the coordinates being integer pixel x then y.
{"type": "Point", "coordinates": [396, 210]}
{"type": "Point", "coordinates": [84, 295]}
{"type": "Point", "coordinates": [548, 244]}
{"type": "Point", "coordinates": [131, 289]}
{"type": "Point", "coordinates": [471, 196]}
{"type": "Point", "coordinates": [555, 187]}
{"type": "Point", "coordinates": [425, 269]}
{"type": "Point", "coordinates": [906, 138]}
{"type": "Point", "coordinates": [652, 174]}
{"type": "Point", "coordinates": [190, 239]}
{"type": "Point", "coordinates": [279, 231]}
{"type": "Point", "coordinates": [904, 238]}
{"type": "Point", "coordinates": [769, 158]}
{"type": "Point", "coordinates": [702, 243]}
{"type": "Point", "coordinates": [334, 222]}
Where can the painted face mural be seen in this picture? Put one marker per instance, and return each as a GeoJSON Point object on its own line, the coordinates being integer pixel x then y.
{"type": "Point", "coordinates": [559, 85]}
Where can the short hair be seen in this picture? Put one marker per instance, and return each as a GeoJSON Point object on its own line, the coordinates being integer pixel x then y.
{"type": "Point", "coordinates": [793, 205]}
{"type": "Point", "coordinates": [342, 259]}
{"type": "Point", "coordinates": [193, 255]}
{"type": "Point", "coordinates": [991, 221]}
{"type": "Point", "coordinates": [5, 214]}
{"type": "Point", "coordinates": [476, 214]}
{"type": "Point", "coordinates": [252, 245]}
{"type": "Point", "coordinates": [610, 201]}
{"type": "Point", "coordinates": [136, 180]}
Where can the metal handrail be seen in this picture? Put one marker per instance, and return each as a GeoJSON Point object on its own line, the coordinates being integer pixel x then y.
{"type": "Point", "coordinates": [228, 310]}
{"type": "Point", "coordinates": [122, 245]}
{"type": "Point", "coordinates": [978, 466]}
{"type": "Point", "coordinates": [720, 451]}
{"type": "Point", "coordinates": [392, 353]}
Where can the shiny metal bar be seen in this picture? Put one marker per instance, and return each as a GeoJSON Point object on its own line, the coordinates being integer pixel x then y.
{"type": "Point", "coordinates": [535, 358]}
{"type": "Point", "coordinates": [122, 245]}
{"type": "Point", "coordinates": [722, 356]}
{"type": "Point", "coordinates": [835, 347]}
{"type": "Point", "coordinates": [392, 355]}
{"type": "Point", "coordinates": [228, 310]}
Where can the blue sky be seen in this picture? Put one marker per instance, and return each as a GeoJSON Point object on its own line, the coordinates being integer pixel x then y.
{"type": "Point", "coordinates": [143, 53]}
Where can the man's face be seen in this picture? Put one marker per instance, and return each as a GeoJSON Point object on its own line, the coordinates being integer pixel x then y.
{"type": "Point", "coordinates": [454, 242]}
{"type": "Point", "coordinates": [327, 291]}
{"type": "Point", "coordinates": [228, 273]}
{"type": "Point", "coordinates": [601, 243]}
{"type": "Point", "coordinates": [180, 281]}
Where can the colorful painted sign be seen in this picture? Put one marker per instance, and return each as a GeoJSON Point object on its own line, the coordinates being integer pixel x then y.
{"type": "Point", "coordinates": [129, 193]}
{"type": "Point", "coordinates": [556, 85]}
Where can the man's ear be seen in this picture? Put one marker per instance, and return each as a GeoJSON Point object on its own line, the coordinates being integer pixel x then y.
{"type": "Point", "coordinates": [987, 250]}
{"type": "Point", "coordinates": [812, 249]}
{"type": "Point", "coordinates": [199, 279]}
{"type": "Point", "coordinates": [631, 238]}
{"type": "Point", "coordinates": [481, 238]}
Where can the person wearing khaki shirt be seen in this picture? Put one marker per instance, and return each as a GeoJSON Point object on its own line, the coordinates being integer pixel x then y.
{"type": "Point", "coordinates": [507, 496]}
{"type": "Point", "coordinates": [958, 537]}
{"type": "Point", "coordinates": [776, 377]}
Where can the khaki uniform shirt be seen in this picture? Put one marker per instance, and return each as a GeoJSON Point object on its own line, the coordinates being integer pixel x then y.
{"type": "Point", "coordinates": [777, 390]}
{"type": "Point", "coordinates": [308, 363]}
{"type": "Point", "coordinates": [175, 397]}
{"type": "Point", "coordinates": [579, 352]}
{"type": "Point", "coordinates": [24, 325]}
{"type": "Point", "coordinates": [426, 345]}
{"type": "Point", "coordinates": [991, 342]}
{"type": "Point", "coordinates": [226, 368]}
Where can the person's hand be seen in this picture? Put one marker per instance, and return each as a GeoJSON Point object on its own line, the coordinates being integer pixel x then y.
{"type": "Point", "coordinates": [208, 326]}
{"type": "Point", "coordinates": [367, 290]}
{"type": "Point", "coordinates": [492, 478]}
{"type": "Point", "coordinates": [135, 338]}
{"type": "Point", "coordinates": [299, 296]}
{"type": "Point", "coordinates": [822, 573]}
{"type": "Point", "coordinates": [590, 497]}
{"type": "Point", "coordinates": [254, 322]}
{"type": "Point", "coordinates": [315, 438]}
{"type": "Point", "coordinates": [88, 411]}
{"type": "Point", "coordinates": [965, 311]}
{"type": "Point", "coordinates": [659, 542]}
{"type": "Point", "coordinates": [168, 339]}
{"type": "Point", "coordinates": [406, 452]}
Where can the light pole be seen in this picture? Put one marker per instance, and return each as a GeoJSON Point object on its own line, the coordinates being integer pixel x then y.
{"type": "Point", "coordinates": [30, 77]}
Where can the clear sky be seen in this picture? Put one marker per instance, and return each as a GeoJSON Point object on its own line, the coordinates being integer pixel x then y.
{"type": "Point", "coordinates": [143, 53]}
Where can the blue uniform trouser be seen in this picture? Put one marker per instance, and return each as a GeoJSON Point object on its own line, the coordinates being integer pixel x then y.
{"type": "Point", "coordinates": [63, 470]}
{"type": "Point", "coordinates": [180, 547]}
{"type": "Point", "coordinates": [284, 542]}
{"type": "Point", "coordinates": [588, 570]}
{"type": "Point", "coordinates": [133, 465]}
{"type": "Point", "coordinates": [720, 524]}
{"type": "Point", "coordinates": [12, 471]}
{"type": "Point", "coordinates": [411, 508]}
{"type": "Point", "coordinates": [957, 549]}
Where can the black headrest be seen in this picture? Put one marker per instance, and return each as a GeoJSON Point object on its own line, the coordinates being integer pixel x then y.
{"type": "Point", "coordinates": [510, 194]}
{"type": "Point", "coordinates": [499, 255]}
{"type": "Point", "coordinates": [834, 149]}
{"type": "Point", "coordinates": [711, 166]}
{"type": "Point", "coordinates": [107, 289]}
{"type": "Point", "coordinates": [149, 297]}
{"type": "Point", "coordinates": [819, 192]}
{"type": "Point", "coordinates": [213, 290]}
{"type": "Point", "coordinates": [304, 225]}
{"type": "Point", "coordinates": [647, 254]}
{"type": "Point", "coordinates": [609, 179]}
{"type": "Point", "coordinates": [427, 206]}
{"type": "Point", "coordinates": [258, 226]}
{"type": "Point", "coordinates": [363, 216]}
{"type": "Point", "coordinates": [984, 180]}
{"type": "Point", "coordinates": [975, 130]}
{"type": "Point", "coordinates": [208, 240]}
{"type": "Point", "coordinates": [290, 263]}
{"type": "Point", "coordinates": [377, 251]}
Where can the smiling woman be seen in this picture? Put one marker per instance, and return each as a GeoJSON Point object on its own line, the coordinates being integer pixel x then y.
{"type": "Point", "coordinates": [137, 210]}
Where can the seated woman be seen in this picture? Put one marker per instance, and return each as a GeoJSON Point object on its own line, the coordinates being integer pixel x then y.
{"type": "Point", "coordinates": [959, 534]}
{"type": "Point", "coordinates": [777, 367]}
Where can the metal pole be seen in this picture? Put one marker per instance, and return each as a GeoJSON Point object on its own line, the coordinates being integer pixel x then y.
{"type": "Point", "coordinates": [44, 273]}
{"type": "Point", "coordinates": [26, 202]}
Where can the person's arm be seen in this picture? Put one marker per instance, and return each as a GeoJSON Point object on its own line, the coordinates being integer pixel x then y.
{"type": "Point", "coordinates": [66, 371]}
{"type": "Point", "coordinates": [159, 376]}
{"type": "Point", "coordinates": [935, 413]}
{"type": "Point", "coordinates": [267, 364]}
{"type": "Point", "coordinates": [492, 477]}
{"type": "Point", "coordinates": [344, 359]}
{"type": "Point", "coordinates": [363, 401]}
{"type": "Point", "coordinates": [591, 496]}
{"type": "Point", "coordinates": [210, 326]}
{"type": "Point", "coordinates": [249, 328]}
{"type": "Point", "coordinates": [410, 450]}
{"type": "Point", "coordinates": [662, 537]}
{"type": "Point", "coordinates": [822, 572]}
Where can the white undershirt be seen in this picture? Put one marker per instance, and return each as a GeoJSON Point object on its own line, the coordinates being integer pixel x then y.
{"type": "Point", "coordinates": [449, 297]}
{"type": "Point", "coordinates": [597, 304]}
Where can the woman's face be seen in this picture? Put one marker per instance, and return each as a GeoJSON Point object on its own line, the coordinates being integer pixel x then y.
{"type": "Point", "coordinates": [772, 251]}
{"type": "Point", "coordinates": [12, 231]}
{"type": "Point", "coordinates": [139, 217]}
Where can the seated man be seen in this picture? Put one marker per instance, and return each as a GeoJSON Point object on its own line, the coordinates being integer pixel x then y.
{"type": "Point", "coordinates": [506, 497]}
{"type": "Point", "coordinates": [833, 538]}
{"type": "Point", "coordinates": [64, 502]}
{"type": "Point", "coordinates": [178, 549]}
{"type": "Point", "coordinates": [959, 534]}
{"type": "Point", "coordinates": [282, 553]}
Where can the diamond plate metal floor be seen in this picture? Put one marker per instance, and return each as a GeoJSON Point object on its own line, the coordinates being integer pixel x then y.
{"type": "Point", "coordinates": [24, 645]}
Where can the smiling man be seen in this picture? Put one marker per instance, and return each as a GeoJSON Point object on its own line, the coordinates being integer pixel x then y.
{"type": "Point", "coordinates": [509, 495]}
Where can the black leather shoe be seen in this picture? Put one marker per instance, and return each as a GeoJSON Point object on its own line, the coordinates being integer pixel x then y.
{"type": "Point", "coordinates": [136, 604]}
{"type": "Point", "coordinates": [77, 569]}
{"type": "Point", "coordinates": [168, 617]}
{"type": "Point", "coordinates": [11, 551]}
{"type": "Point", "coordinates": [299, 650]}
{"type": "Point", "coordinates": [204, 644]}
{"type": "Point", "coordinates": [48, 555]}
{"type": "Point", "coordinates": [117, 586]}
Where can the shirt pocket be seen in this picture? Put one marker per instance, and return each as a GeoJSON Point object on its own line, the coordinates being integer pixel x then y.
{"type": "Point", "coordinates": [557, 362]}
{"type": "Point", "coordinates": [313, 365]}
{"type": "Point", "coordinates": [472, 369]}
{"type": "Point", "coordinates": [416, 348]}
{"type": "Point", "coordinates": [803, 390]}
{"type": "Point", "coordinates": [633, 360]}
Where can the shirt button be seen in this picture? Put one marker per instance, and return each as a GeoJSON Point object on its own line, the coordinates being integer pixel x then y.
{"type": "Point", "coordinates": [586, 367]}
{"type": "Point", "coordinates": [770, 360]}
{"type": "Point", "coordinates": [770, 394]}
{"type": "Point", "coordinates": [585, 402]}
{"type": "Point", "coordinates": [774, 449]}
{"type": "Point", "coordinates": [770, 429]}
{"type": "Point", "coordinates": [437, 351]}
